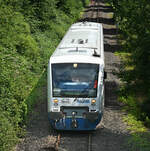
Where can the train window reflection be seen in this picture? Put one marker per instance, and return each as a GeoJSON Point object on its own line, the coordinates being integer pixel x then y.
{"type": "Point", "coordinates": [75, 80]}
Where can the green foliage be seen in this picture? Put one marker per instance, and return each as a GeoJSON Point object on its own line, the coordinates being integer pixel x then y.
{"type": "Point", "coordinates": [15, 33]}
{"type": "Point", "coordinates": [140, 142]}
{"type": "Point", "coordinates": [30, 30]}
{"type": "Point", "coordinates": [36, 93]}
{"type": "Point", "coordinates": [7, 133]}
{"type": "Point", "coordinates": [134, 125]}
{"type": "Point", "coordinates": [70, 7]}
{"type": "Point", "coordinates": [133, 18]}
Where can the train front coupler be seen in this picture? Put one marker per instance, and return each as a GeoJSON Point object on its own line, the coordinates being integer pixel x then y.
{"type": "Point", "coordinates": [74, 121]}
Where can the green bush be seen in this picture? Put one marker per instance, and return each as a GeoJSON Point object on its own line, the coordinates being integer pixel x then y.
{"type": "Point", "coordinates": [29, 33]}
{"type": "Point", "coordinates": [7, 133]}
{"type": "Point", "coordinates": [135, 34]}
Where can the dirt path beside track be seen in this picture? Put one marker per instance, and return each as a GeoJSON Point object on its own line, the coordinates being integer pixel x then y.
{"type": "Point", "coordinates": [111, 134]}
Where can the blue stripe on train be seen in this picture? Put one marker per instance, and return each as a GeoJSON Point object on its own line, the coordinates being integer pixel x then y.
{"type": "Point", "coordinates": [82, 124]}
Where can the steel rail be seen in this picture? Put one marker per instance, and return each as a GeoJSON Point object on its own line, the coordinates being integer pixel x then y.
{"type": "Point", "coordinates": [90, 142]}
{"type": "Point", "coordinates": [57, 142]}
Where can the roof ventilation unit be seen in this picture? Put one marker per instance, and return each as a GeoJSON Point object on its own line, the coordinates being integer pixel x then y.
{"type": "Point", "coordinates": [72, 41]}
{"type": "Point", "coordinates": [95, 54]}
{"type": "Point", "coordinates": [80, 41]}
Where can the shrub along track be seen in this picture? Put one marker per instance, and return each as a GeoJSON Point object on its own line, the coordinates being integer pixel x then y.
{"type": "Point", "coordinates": [111, 134]}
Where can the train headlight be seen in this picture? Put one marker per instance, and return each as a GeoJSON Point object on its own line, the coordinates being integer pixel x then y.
{"type": "Point", "coordinates": [55, 102]}
{"type": "Point", "coordinates": [75, 65]}
{"type": "Point", "coordinates": [93, 102]}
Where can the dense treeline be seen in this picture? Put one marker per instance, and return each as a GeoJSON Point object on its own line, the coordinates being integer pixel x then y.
{"type": "Point", "coordinates": [133, 19]}
{"type": "Point", "coordinates": [29, 32]}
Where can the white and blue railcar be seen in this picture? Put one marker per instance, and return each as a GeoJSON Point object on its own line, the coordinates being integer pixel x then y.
{"type": "Point", "coordinates": [76, 79]}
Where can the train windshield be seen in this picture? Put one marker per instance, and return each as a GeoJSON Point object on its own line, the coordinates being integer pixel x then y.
{"type": "Point", "coordinates": [75, 79]}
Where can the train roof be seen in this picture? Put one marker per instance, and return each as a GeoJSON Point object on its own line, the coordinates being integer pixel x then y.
{"type": "Point", "coordinates": [77, 59]}
{"type": "Point", "coordinates": [84, 40]}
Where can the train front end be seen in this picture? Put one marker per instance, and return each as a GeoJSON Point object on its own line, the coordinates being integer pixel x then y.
{"type": "Point", "coordinates": [75, 95]}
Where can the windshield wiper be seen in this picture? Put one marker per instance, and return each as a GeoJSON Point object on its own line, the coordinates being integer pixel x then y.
{"type": "Point", "coordinates": [75, 100]}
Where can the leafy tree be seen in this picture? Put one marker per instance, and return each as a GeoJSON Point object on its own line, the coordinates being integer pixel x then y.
{"type": "Point", "coordinates": [133, 17]}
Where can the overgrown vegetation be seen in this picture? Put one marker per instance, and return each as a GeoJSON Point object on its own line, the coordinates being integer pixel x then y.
{"type": "Point", "coordinates": [29, 32]}
{"type": "Point", "coordinates": [133, 19]}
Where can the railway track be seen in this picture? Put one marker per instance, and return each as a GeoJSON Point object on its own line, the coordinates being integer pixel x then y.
{"type": "Point", "coordinates": [57, 143]}
{"type": "Point", "coordinates": [92, 13]}
{"type": "Point", "coordinates": [73, 141]}
{"type": "Point", "coordinates": [90, 142]}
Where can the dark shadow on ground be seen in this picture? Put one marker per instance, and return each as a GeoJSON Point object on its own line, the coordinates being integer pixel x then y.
{"type": "Point", "coordinates": [110, 31]}
{"type": "Point", "coordinates": [111, 95]}
{"type": "Point", "coordinates": [111, 48]}
{"type": "Point", "coordinates": [108, 21]}
{"type": "Point", "coordinates": [95, 9]}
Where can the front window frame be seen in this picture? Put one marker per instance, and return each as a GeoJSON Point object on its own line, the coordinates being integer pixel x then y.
{"type": "Point", "coordinates": [76, 96]}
